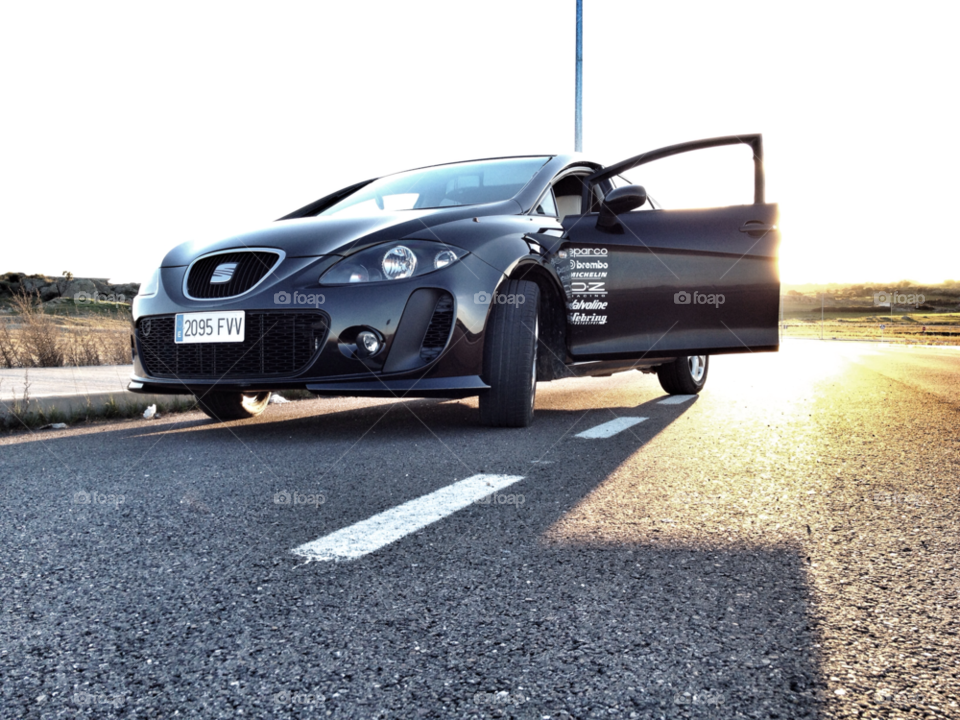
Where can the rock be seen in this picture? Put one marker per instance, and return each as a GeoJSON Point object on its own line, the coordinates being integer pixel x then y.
{"type": "Point", "coordinates": [30, 284]}
{"type": "Point", "coordinates": [80, 285]}
{"type": "Point", "coordinates": [128, 290]}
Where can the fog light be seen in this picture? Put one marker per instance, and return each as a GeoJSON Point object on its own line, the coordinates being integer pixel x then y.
{"type": "Point", "coordinates": [368, 343]}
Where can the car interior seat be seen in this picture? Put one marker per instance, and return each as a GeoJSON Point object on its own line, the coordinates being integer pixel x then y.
{"type": "Point", "coordinates": [568, 205]}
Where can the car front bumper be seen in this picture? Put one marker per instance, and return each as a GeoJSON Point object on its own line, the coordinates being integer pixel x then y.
{"type": "Point", "coordinates": [299, 335]}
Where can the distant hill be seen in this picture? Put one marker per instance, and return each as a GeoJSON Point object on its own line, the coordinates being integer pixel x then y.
{"type": "Point", "coordinates": [79, 289]}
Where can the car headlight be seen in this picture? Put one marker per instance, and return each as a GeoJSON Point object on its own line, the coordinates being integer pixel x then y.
{"type": "Point", "coordinates": [399, 262]}
{"type": "Point", "coordinates": [393, 261]}
{"type": "Point", "coordinates": [151, 286]}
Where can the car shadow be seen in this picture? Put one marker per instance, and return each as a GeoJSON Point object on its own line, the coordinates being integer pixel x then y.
{"type": "Point", "coordinates": [499, 609]}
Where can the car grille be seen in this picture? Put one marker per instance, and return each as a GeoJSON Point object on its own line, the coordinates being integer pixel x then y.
{"type": "Point", "coordinates": [289, 342]}
{"type": "Point", "coordinates": [435, 339]}
{"type": "Point", "coordinates": [248, 268]}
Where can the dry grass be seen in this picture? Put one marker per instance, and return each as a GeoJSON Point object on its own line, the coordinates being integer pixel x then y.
{"type": "Point", "coordinates": [31, 336]}
{"type": "Point", "coordinates": [929, 328]}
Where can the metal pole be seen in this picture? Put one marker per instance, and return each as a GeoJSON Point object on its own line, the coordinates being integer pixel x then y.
{"type": "Point", "coordinates": [821, 316]}
{"type": "Point", "coordinates": [578, 111]}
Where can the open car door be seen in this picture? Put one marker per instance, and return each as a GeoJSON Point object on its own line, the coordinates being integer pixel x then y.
{"type": "Point", "coordinates": [662, 283]}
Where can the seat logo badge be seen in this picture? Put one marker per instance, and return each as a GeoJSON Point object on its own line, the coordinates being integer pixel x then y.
{"type": "Point", "coordinates": [223, 273]}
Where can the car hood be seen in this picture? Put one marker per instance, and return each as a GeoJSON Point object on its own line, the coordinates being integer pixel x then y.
{"type": "Point", "coordinates": [314, 236]}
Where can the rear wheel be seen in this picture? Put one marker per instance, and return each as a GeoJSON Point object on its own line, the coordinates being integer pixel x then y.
{"type": "Point", "coordinates": [233, 405]}
{"type": "Point", "coordinates": [510, 356]}
{"type": "Point", "coordinates": [685, 375]}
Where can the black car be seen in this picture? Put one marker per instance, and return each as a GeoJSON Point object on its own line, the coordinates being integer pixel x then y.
{"type": "Point", "coordinates": [474, 278]}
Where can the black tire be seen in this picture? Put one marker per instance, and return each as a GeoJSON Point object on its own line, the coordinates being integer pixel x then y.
{"type": "Point", "coordinates": [510, 357]}
{"type": "Point", "coordinates": [683, 376]}
{"type": "Point", "coordinates": [233, 405]}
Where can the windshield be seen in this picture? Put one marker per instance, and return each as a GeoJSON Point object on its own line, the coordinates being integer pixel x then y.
{"type": "Point", "coordinates": [469, 183]}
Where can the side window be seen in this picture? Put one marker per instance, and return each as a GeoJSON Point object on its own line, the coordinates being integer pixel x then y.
{"type": "Point", "coordinates": [547, 205]}
{"type": "Point", "coordinates": [712, 177]}
{"type": "Point", "coordinates": [569, 192]}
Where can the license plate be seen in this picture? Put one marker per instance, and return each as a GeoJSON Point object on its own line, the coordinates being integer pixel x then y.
{"type": "Point", "coordinates": [205, 327]}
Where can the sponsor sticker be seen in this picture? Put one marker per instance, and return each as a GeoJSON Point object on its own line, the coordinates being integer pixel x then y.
{"type": "Point", "coordinates": [588, 288]}
{"type": "Point", "coordinates": [587, 252]}
{"type": "Point", "coordinates": [587, 305]}
{"type": "Point", "coordinates": [579, 318]}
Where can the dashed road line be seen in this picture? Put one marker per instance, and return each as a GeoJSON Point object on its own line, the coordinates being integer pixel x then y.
{"type": "Point", "coordinates": [371, 534]}
{"type": "Point", "coordinates": [609, 429]}
{"type": "Point", "coordinates": [676, 399]}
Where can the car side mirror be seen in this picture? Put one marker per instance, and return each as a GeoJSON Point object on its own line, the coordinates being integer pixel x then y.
{"type": "Point", "coordinates": [623, 199]}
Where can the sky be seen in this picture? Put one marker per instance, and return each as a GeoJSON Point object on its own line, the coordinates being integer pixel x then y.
{"type": "Point", "coordinates": [128, 128]}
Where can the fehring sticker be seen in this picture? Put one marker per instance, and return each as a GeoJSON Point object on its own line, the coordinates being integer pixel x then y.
{"type": "Point", "coordinates": [579, 318]}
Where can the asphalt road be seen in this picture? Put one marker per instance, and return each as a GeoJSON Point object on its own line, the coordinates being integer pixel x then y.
{"type": "Point", "coordinates": [782, 546]}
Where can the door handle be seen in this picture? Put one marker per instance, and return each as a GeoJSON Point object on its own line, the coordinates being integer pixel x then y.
{"type": "Point", "coordinates": [756, 226]}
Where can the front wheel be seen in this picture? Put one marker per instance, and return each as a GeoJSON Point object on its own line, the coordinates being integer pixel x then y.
{"type": "Point", "coordinates": [685, 375]}
{"type": "Point", "coordinates": [233, 405]}
{"type": "Point", "coordinates": [510, 356]}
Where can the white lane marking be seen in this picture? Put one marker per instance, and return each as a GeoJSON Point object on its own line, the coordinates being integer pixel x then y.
{"type": "Point", "coordinates": [676, 399]}
{"type": "Point", "coordinates": [389, 526]}
{"type": "Point", "coordinates": [609, 429]}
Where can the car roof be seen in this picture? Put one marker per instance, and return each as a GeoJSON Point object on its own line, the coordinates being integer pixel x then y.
{"type": "Point", "coordinates": [565, 159]}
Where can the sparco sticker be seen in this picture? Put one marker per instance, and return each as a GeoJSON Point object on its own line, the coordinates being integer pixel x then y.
{"type": "Point", "coordinates": [587, 252]}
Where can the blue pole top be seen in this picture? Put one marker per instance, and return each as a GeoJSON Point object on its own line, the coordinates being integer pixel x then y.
{"type": "Point", "coordinates": [578, 103]}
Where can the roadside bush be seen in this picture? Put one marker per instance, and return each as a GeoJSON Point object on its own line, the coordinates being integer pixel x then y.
{"type": "Point", "coordinates": [38, 338]}
{"type": "Point", "coordinates": [30, 337]}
